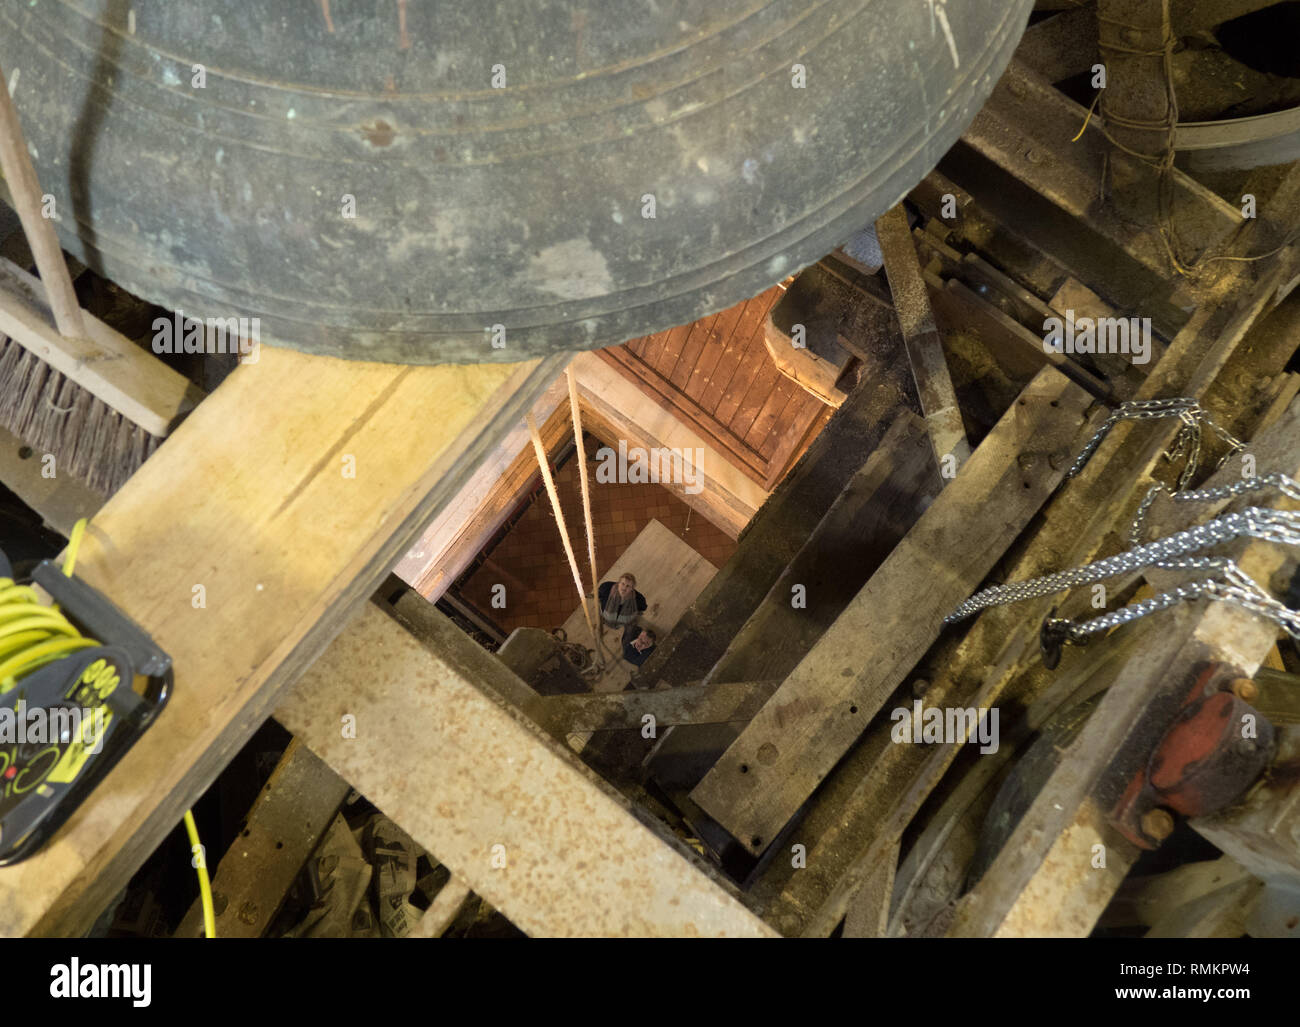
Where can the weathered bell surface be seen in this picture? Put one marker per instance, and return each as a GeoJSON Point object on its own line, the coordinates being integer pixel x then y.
{"type": "Point", "coordinates": [485, 180]}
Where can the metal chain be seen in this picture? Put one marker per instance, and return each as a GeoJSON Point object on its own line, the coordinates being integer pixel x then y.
{"type": "Point", "coordinates": [1186, 444]}
{"type": "Point", "coordinates": [1171, 552]}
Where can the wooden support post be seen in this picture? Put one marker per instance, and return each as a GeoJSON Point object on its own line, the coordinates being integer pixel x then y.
{"type": "Point", "coordinates": [1001, 648]}
{"type": "Point", "coordinates": [241, 547]}
{"type": "Point", "coordinates": [1026, 128]}
{"type": "Point", "coordinates": [828, 700]}
{"type": "Point", "coordinates": [924, 347]}
{"type": "Point", "coordinates": [504, 807]}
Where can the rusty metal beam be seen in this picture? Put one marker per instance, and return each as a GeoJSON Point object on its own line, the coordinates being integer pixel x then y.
{"type": "Point", "coordinates": [501, 804]}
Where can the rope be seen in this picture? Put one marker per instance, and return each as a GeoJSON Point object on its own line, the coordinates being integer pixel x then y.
{"type": "Point", "coordinates": [545, 467]}
{"type": "Point", "coordinates": [576, 412]}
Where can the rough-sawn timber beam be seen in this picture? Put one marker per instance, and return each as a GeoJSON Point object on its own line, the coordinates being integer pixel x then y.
{"type": "Point", "coordinates": [831, 696]}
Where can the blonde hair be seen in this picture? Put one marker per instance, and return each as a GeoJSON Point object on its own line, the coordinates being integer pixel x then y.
{"type": "Point", "coordinates": [629, 578]}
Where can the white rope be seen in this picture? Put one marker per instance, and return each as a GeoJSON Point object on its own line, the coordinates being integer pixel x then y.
{"type": "Point", "coordinates": [545, 467]}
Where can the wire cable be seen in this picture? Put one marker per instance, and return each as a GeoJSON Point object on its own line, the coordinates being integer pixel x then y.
{"type": "Point", "coordinates": [205, 886]}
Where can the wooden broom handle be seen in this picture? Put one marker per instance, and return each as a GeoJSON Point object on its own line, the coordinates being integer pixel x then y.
{"type": "Point", "coordinates": [17, 168]}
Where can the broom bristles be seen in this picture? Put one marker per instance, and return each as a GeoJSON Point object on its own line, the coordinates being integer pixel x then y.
{"type": "Point", "coordinates": [53, 414]}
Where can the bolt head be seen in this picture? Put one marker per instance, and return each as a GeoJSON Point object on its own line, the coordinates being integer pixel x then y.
{"type": "Point", "coordinates": [1157, 823]}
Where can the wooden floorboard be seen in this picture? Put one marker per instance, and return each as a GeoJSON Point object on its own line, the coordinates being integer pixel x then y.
{"type": "Point", "coordinates": [252, 499]}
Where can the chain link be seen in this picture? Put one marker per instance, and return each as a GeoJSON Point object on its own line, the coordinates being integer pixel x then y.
{"type": "Point", "coordinates": [1230, 583]}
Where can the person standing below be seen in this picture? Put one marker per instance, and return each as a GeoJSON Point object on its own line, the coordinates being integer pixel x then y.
{"type": "Point", "coordinates": [638, 644]}
{"type": "Point", "coordinates": [620, 603]}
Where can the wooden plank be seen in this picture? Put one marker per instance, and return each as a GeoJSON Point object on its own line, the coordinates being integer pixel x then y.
{"type": "Point", "coordinates": [291, 815]}
{"type": "Point", "coordinates": [442, 913]}
{"type": "Point", "coordinates": [256, 507]}
{"type": "Point", "coordinates": [921, 336]}
{"type": "Point", "coordinates": [1016, 336]}
{"type": "Point", "coordinates": [830, 697]}
{"type": "Point", "coordinates": [868, 915]}
{"type": "Point", "coordinates": [666, 358]}
{"type": "Point", "coordinates": [715, 345]}
{"type": "Point", "coordinates": [106, 364]}
{"type": "Point", "coordinates": [750, 359]}
{"type": "Point", "coordinates": [1027, 127]}
{"type": "Point", "coordinates": [686, 704]}
{"type": "Point", "coordinates": [578, 860]}
{"type": "Point", "coordinates": [61, 500]}
{"type": "Point", "coordinates": [733, 450]}
{"type": "Point", "coordinates": [767, 380]}
{"type": "Point", "coordinates": [771, 425]}
{"type": "Point", "coordinates": [736, 345]}
{"type": "Point", "coordinates": [873, 512]}
{"type": "Point", "coordinates": [872, 797]}
{"type": "Point", "coordinates": [680, 373]}
{"type": "Point", "coordinates": [653, 345]}
{"type": "Point", "coordinates": [798, 437]}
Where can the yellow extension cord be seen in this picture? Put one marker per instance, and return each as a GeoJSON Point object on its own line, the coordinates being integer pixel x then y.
{"type": "Point", "coordinates": [32, 635]}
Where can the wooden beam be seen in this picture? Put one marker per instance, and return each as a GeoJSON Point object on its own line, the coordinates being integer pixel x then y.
{"type": "Point", "coordinates": [503, 806]}
{"type": "Point", "coordinates": [1016, 336]}
{"type": "Point", "coordinates": [290, 816]}
{"type": "Point", "coordinates": [871, 798]}
{"type": "Point", "coordinates": [286, 496]}
{"type": "Point", "coordinates": [686, 704]}
{"type": "Point", "coordinates": [1026, 128]}
{"type": "Point", "coordinates": [877, 507]}
{"type": "Point", "coordinates": [446, 906]}
{"type": "Point", "coordinates": [829, 699]}
{"type": "Point", "coordinates": [868, 915]}
{"type": "Point", "coordinates": [60, 500]}
{"type": "Point", "coordinates": [921, 336]}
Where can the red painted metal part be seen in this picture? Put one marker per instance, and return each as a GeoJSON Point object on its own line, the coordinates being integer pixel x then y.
{"type": "Point", "coordinates": [1215, 749]}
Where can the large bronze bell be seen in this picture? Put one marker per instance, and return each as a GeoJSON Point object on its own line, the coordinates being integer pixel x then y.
{"type": "Point", "coordinates": [485, 180]}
